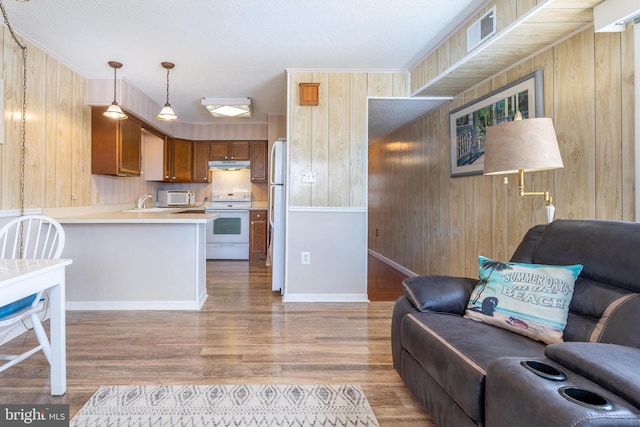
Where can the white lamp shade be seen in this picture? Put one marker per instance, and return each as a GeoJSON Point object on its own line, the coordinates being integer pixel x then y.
{"type": "Point", "coordinates": [530, 145]}
{"type": "Point", "coordinates": [114, 112]}
{"type": "Point", "coordinates": [166, 113]}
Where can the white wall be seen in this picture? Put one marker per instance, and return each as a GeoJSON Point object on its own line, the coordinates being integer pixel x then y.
{"type": "Point", "coordinates": [332, 236]}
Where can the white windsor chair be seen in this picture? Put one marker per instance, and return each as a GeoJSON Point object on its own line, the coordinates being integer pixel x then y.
{"type": "Point", "coordinates": [29, 237]}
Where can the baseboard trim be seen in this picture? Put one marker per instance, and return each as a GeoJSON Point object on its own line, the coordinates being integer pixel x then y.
{"type": "Point", "coordinates": [133, 305]}
{"type": "Point", "coordinates": [325, 298]}
{"type": "Point", "coordinates": [392, 263]}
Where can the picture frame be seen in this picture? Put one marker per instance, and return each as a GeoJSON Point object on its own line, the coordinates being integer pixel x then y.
{"type": "Point", "coordinates": [467, 124]}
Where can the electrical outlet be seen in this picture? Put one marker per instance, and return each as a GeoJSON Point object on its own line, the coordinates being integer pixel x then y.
{"type": "Point", "coordinates": [74, 196]}
{"type": "Point", "coordinates": [305, 257]}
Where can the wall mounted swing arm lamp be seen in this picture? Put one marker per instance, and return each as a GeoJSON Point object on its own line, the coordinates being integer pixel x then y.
{"type": "Point", "coordinates": [521, 146]}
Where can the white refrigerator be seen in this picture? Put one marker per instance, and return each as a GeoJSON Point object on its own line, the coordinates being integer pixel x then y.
{"type": "Point", "coordinates": [277, 179]}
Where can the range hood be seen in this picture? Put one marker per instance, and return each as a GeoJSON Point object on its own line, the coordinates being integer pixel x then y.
{"type": "Point", "coordinates": [230, 165]}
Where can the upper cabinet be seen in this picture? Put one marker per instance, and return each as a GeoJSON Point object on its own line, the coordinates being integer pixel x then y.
{"type": "Point", "coordinates": [181, 160]}
{"type": "Point", "coordinates": [200, 161]}
{"type": "Point", "coordinates": [115, 145]}
{"type": "Point", "coordinates": [259, 161]}
{"type": "Point", "coordinates": [229, 150]}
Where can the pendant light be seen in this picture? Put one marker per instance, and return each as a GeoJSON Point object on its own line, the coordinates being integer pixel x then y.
{"type": "Point", "coordinates": [114, 111]}
{"type": "Point", "coordinates": [167, 113]}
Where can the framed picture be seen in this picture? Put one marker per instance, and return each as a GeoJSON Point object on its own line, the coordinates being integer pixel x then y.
{"type": "Point", "coordinates": [468, 124]}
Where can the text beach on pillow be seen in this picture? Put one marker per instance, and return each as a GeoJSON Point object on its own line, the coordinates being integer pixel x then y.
{"type": "Point", "coordinates": [521, 146]}
{"type": "Point", "coordinates": [528, 299]}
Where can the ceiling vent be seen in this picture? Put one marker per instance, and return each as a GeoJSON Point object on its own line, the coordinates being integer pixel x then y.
{"type": "Point", "coordinates": [481, 29]}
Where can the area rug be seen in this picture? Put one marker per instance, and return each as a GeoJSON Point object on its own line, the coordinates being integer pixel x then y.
{"type": "Point", "coordinates": [226, 405]}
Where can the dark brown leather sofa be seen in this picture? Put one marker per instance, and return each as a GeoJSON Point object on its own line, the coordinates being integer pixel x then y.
{"type": "Point", "coordinates": [467, 373]}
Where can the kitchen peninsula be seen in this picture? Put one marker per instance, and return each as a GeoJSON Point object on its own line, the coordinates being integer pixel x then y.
{"type": "Point", "coordinates": [134, 260]}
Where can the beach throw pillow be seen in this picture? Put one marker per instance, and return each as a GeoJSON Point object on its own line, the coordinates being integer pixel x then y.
{"type": "Point", "coordinates": [528, 299]}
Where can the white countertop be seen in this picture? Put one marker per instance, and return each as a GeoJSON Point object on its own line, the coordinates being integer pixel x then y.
{"type": "Point", "coordinates": [120, 217]}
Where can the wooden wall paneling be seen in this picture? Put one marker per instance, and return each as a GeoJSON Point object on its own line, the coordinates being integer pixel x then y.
{"type": "Point", "coordinates": [431, 68]}
{"type": "Point", "coordinates": [457, 46]}
{"type": "Point", "coordinates": [415, 164]}
{"type": "Point", "coordinates": [542, 181]}
{"type": "Point", "coordinates": [524, 6]}
{"type": "Point", "coordinates": [51, 131]}
{"type": "Point", "coordinates": [35, 159]}
{"type": "Point", "coordinates": [358, 139]}
{"type": "Point", "coordinates": [300, 142]}
{"type": "Point", "coordinates": [339, 139]}
{"type": "Point", "coordinates": [575, 125]}
{"type": "Point", "coordinates": [507, 11]}
{"type": "Point", "coordinates": [78, 159]}
{"type": "Point", "coordinates": [64, 153]}
{"type": "Point", "coordinates": [500, 206]}
{"type": "Point", "coordinates": [442, 53]}
{"type": "Point", "coordinates": [321, 143]}
{"type": "Point", "coordinates": [373, 196]}
{"type": "Point", "coordinates": [86, 193]}
{"type": "Point", "coordinates": [480, 208]}
{"type": "Point", "coordinates": [13, 103]}
{"type": "Point", "coordinates": [426, 175]}
{"type": "Point", "coordinates": [398, 198]}
{"type": "Point", "coordinates": [608, 126]}
{"type": "Point", "coordinates": [400, 84]}
{"type": "Point", "coordinates": [440, 170]}
{"type": "Point", "coordinates": [418, 76]}
{"type": "Point", "coordinates": [457, 190]}
{"type": "Point", "coordinates": [524, 209]}
{"type": "Point", "coordinates": [628, 138]}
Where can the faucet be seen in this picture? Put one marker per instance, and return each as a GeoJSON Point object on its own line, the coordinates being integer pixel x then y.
{"type": "Point", "coordinates": [142, 201]}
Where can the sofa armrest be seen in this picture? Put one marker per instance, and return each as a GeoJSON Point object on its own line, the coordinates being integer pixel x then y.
{"type": "Point", "coordinates": [611, 366]}
{"type": "Point", "coordinates": [439, 293]}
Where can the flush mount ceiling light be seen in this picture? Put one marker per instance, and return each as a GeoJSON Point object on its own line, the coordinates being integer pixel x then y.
{"type": "Point", "coordinates": [228, 107]}
{"type": "Point", "coordinates": [167, 113]}
{"type": "Point", "coordinates": [114, 111]}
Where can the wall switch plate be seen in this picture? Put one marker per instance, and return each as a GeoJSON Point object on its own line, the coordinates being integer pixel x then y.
{"type": "Point", "coordinates": [309, 177]}
{"type": "Point", "coordinates": [305, 257]}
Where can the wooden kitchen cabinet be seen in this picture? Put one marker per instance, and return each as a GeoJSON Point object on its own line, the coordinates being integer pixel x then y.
{"type": "Point", "coordinates": [229, 150]}
{"type": "Point", "coordinates": [200, 161]}
{"type": "Point", "coordinates": [180, 159]}
{"type": "Point", "coordinates": [259, 162]}
{"type": "Point", "coordinates": [115, 145]}
{"type": "Point", "coordinates": [258, 234]}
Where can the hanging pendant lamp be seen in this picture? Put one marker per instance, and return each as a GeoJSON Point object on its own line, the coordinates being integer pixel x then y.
{"type": "Point", "coordinates": [167, 113]}
{"type": "Point", "coordinates": [114, 111]}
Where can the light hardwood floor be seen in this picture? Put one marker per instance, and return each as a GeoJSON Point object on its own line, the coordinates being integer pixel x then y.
{"type": "Point", "coordinates": [243, 334]}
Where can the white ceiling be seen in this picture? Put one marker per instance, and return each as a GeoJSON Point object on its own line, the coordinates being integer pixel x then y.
{"type": "Point", "coordinates": [233, 48]}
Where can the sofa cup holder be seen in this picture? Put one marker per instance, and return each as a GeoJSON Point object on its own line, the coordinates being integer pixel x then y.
{"type": "Point", "coordinates": [585, 398]}
{"type": "Point", "coordinates": [543, 370]}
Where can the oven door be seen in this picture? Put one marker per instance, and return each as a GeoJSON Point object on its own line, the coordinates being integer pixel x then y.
{"type": "Point", "coordinates": [231, 226]}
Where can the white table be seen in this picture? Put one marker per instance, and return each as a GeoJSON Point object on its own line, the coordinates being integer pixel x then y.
{"type": "Point", "coordinates": [23, 277]}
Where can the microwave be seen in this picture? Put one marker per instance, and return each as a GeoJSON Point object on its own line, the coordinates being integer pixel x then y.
{"type": "Point", "coordinates": [174, 198]}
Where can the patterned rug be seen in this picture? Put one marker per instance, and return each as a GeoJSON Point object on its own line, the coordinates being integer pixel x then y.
{"type": "Point", "coordinates": [227, 405]}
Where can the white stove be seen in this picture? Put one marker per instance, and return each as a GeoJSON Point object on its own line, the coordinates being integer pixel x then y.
{"type": "Point", "coordinates": [228, 234]}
